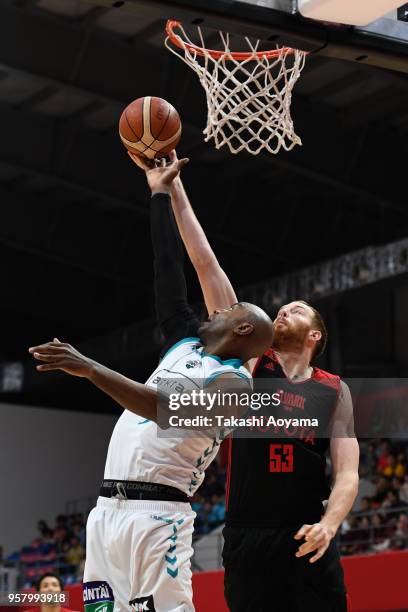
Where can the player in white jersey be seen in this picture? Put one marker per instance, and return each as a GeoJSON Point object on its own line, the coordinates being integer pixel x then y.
{"type": "Point", "coordinates": [167, 460]}
{"type": "Point", "coordinates": [139, 534]}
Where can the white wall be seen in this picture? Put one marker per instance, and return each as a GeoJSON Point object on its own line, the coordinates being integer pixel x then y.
{"type": "Point", "coordinates": [47, 457]}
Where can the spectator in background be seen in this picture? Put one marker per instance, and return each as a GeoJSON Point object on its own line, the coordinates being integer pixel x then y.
{"type": "Point", "coordinates": [74, 554]}
{"type": "Point", "coordinates": [49, 537]}
{"type": "Point", "coordinates": [61, 525]}
{"type": "Point", "coordinates": [370, 460]}
{"type": "Point", "coordinates": [391, 501]}
{"type": "Point", "coordinates": [396, 466]}
{"type": "Point", "coordinates": [391, 463]}
{"type": "Point", "coordinates": [400, 538]}
{"type": "Point", "coordinates": [81, 568]}
{"type": "Point", "coordinates": [212, 486]}
{"type": "Point", "coordinates": [403, 492]}
{"type": "Point", "coordinates": [203, 516]}
{"type": "Point", "coordinates": [396, 486]}
{"type": "Point", "coordinates": [43, 528]}
{"type": "Point", "coordinates": [363, 533]}
{"type": "Point", "coordinates": [61, 534]}
{"type": "Point", "coordinates": [346, 525]}
{"type": "Point", "coordinates": [50, 583]}
{"type": "Point", "coordinates": [350, 542]}
{"type": "Point", "coordinates": [366, 487]}
{"type": "Point", "coordinates": [216, 515]}
{"type": "Point", "coordinates": [78, 530]}
{"type": "Point", "coordinates": [384, 451]}
{"type": "Point", "coordinates": [379, 529]}
{"type": "Point", "coordinates": [383, 486]}
{"type": "Point", "coordinates": [401, 466]}
{"type": "Point", "coordinates": [365, 504]}
{"type": "Point", "coordinates": [380, 534]}
{"type": "Point", "coordinates": [199, 521]}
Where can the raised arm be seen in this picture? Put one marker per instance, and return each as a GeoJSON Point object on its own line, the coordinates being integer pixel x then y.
{"type": "Point", "coordinates": [175, 317]}
{"type": "Point", "coordinates": [215, 284]}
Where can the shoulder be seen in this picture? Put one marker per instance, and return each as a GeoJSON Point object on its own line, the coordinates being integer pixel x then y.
{"type": "Point", "coordinates": [268, 356]}
{"type": "Point", "coordinates": [229, 369]}
{"type": "Point", "coordinates": [182, 346]}
{"type": "Point", "coordinates": [327, 379]}
{"type": "Point", "coordinates": [344, 396]}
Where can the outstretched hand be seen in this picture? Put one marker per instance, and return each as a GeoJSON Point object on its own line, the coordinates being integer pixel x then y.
{"type": "Point", "coordinates": [160, 175]}
{"type": "Point", "coordinates": [58, 355]}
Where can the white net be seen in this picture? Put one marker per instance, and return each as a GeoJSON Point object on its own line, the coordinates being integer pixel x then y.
{"type": "Point", "coordinates": [248, 99]}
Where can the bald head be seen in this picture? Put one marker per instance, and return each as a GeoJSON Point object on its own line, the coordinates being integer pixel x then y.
{"type": "Point", "coordinates": [244, 330]}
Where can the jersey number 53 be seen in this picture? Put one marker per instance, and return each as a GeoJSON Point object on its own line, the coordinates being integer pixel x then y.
{"type": "Point", "coordinates": [281, 457]}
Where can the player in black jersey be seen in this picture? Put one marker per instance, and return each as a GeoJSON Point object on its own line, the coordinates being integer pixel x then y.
{"type": "Point", "coordinates": [279, 553]}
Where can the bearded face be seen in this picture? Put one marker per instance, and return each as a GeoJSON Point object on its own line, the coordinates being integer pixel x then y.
{"type": "Point", "coordinates": [292, 326]}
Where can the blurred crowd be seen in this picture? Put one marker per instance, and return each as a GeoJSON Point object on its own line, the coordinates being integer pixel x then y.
{"type": "Point", "coordinates": [60, 547]}
{"type": "Point", "coordinates": [379, 520]}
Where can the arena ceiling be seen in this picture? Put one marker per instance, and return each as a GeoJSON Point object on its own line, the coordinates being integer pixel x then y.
{"type": "Point", "coordinates": [74, 233]}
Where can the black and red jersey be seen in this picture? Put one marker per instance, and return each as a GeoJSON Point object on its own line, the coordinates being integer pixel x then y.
{"type": "Point", "coordinates": [281, 481]}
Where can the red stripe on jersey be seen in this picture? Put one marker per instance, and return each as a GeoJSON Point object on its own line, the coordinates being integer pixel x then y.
{"type": "Point", "coordinates": [325, 378]}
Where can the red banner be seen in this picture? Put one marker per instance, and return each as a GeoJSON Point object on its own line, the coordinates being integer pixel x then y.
{"type": "Point", "coordinates": [376, 583]}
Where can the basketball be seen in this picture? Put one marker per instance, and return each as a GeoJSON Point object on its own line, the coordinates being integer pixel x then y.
{"type": "Point", "coordinates": [150, 126]}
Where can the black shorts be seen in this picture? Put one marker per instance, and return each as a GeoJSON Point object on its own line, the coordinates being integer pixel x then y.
{"type": "Point", "coordinates": [262, 574]}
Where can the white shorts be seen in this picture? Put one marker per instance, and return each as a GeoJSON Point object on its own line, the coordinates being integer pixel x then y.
{"type": "Point", "coordinates": [138, 556]}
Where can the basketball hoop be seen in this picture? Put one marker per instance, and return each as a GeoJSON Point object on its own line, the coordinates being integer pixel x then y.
{"type": "Point", "coordinates": [248, 93]}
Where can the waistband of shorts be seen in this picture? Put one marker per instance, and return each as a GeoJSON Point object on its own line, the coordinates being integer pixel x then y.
{"type": "Point", "coordinates": [133, 489]}
{"type": "Point", "coordinates": [142, 505]}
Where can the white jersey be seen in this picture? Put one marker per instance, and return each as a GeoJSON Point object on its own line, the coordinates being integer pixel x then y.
{"type": "Point", "coordinates": [136, 452]}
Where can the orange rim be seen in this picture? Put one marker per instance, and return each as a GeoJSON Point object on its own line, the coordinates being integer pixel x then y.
{"type": "Point", "coordinates": [171, 25]}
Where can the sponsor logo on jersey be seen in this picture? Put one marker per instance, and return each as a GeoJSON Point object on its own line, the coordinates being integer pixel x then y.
{"type": "Point", "coordinates": [107, 606]}
{"type": "Point", "coordinates": [289, 400]}
{"type": "Point", "coordinates": [168, 383]}
{"type": "Point", "coordinates": [142, 604]}
{"type": "Point", "coordinates": [193, 363]}
{"type": "Point", "coordinates": [98, 597]}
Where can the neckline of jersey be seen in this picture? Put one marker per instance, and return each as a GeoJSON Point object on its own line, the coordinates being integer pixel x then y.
{"type": "Point", "coordinates": [235, 363]}
{"type": "Point", "coordinates": [294, 382]}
